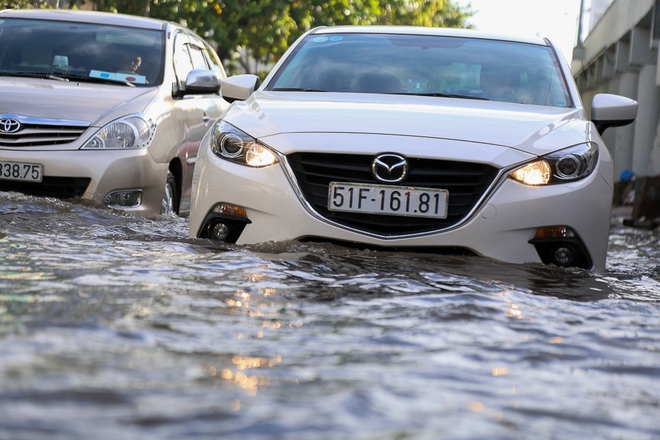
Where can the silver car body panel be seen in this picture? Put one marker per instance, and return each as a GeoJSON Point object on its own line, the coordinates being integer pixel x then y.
{"type": "Point", "coordinates": [180, 121]}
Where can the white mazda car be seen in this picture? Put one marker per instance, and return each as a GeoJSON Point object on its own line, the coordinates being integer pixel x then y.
{"type": "Point", "coordinates": [413, 138]}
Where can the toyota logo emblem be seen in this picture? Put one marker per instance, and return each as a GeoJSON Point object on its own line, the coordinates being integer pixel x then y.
{"type": "Point", "coordinates": [9, 125]}
{"type": "Point", "coordinates": [389, 168]}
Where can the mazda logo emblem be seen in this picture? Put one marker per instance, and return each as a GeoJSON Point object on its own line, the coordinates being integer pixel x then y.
{"type": "Point", "coordinates": [8, 125]}
{"type": "Point", "coordinates": [389, 168]}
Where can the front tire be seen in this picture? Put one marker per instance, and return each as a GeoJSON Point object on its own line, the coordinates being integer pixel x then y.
{"type": "Point", "coordinates": [168, 205]}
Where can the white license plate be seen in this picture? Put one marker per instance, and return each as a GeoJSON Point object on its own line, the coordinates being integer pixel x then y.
{"type": "Point", "coordinates": [29, 172]}
{"type": "Point", "coordinates": [388, 200]}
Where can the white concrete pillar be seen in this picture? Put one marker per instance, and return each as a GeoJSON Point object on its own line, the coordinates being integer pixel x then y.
{"type": "Point", "coordinates": [621, 140]}
{"type": "Point", "coordinates": [646, 124]}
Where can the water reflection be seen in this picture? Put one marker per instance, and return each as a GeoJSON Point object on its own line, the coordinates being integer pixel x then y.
{"type": "Point", "coordinates": [127, 328]}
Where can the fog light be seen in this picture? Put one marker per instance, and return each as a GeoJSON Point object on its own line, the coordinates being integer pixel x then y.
{"type": "Point", "coordinates": [563, 256]}
{"type": "Point", "coordinates": [224, 222]}
{"type": "Point", "coordinates": [124, 199]}
{"type": "Point", "coordinates": [561, 246]}
{"type": "Point", "coordinates": [220, 231]}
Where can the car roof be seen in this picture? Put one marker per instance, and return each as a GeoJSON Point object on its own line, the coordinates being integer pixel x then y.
{"type": "Point", "coordinates": [93, 17]}
{"type": "Point", "coordinates": [431, 31]}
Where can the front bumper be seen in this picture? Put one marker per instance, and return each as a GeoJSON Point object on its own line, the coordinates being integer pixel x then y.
{"type": "Point", "coordinates": [108, 171]}
{"type": "Point", "coordinates": [501, 227]}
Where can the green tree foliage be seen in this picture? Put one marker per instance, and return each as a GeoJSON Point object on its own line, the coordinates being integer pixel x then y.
{"type": "Point", "coordinates": [23, 4]}
{"type": "Point", "coordinates": [261, 30]}
{"type": "Point", "coordinates": [247, 32]}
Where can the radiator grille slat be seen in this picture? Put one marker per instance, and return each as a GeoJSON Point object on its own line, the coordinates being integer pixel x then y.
{"type": "Point", "coordinates": [35, 135]}
{"type": "Point", "coordinates": [465, 181]}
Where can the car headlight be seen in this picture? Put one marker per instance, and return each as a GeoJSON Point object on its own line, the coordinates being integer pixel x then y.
{"type": "Point", "coordinates": [562, 166]}
{"type": "Point", "coordinates": [128, 132]}
{"type": "Point", "coordinates": [230, 143]}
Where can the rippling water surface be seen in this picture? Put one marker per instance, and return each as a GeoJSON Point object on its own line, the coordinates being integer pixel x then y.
{"type": "Point", "coordinates": [114, 327]}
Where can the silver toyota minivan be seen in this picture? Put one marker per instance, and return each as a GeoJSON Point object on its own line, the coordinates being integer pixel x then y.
{"type": "Point", "coordinates": [104, 107]}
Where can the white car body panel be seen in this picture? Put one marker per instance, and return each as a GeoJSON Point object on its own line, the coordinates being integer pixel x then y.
{"type": "Point", "coordinates": [502, 224]}
{"type": "Point", "coordinates": [490, 231]}
{"type": "Point", "coordinates": [534, 129]}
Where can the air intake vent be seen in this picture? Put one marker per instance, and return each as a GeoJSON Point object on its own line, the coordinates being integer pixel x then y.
{"type": "Point", "coordinates": [59, 187]}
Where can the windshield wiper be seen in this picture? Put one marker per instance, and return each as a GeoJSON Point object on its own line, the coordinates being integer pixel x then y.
{"type": "Point", "coordinates": [295, 89]}
{"type": "Point", "coordinates": [44, 75]}
{"type": "Point", "coordinates": [439, 95]}
{"type": "Point", "coordinates": [66, 76]}
{"type": "Point", "coordinates": [446, 95]}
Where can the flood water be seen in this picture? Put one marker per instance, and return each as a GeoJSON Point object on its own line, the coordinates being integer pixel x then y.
{"type": "Point", "coordinates": [115, 327]}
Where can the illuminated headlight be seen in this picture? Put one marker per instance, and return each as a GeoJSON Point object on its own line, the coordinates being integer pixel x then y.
{"type": "Point", "coordinates": [566, 165]}
{"type": "Point", "coordinates": [129, 132]}
{"type": "Point", "coordinates": [230, 143]}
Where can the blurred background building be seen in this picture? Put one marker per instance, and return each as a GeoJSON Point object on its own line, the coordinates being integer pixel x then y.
{"type": "Point", "coordinates": [620, 55]}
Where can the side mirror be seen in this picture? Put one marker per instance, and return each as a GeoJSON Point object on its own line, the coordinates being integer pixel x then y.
{"type": "Point", "coordinates": [239, 87]}
{"type": "Point", "coordinates": [612, 111]}
{"type": "Point", "coordinates": [202, 81]}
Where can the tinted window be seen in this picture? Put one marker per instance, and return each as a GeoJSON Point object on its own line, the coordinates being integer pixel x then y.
{"type": "Point", "coordinates": [407, 64]}
{"type": "Point", "coordinates": [183, 63]}
{"type": "Point", "coordinates": [215, 61]}
{"type": "Point", "coordinates": [86, 50]}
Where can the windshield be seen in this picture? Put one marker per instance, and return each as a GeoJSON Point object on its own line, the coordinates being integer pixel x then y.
{"type": "Point", "coordinates": [425, 65]}
{"type": "Point", "coordinates": [81, 51]}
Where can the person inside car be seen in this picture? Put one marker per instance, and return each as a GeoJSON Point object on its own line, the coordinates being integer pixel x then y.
{"type": "Point", "coordinates": [130, 64]}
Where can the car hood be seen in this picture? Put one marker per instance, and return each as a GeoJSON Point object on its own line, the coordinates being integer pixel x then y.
{"type": "Point", "coordinates": [77, 101]}
{"type": "Point", "coordinates": [532, 129]}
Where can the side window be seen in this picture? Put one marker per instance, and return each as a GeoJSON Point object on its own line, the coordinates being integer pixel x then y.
{"type": "Point", "coordinates": [211, 58]}
{"type": "Point", "coordinates": [197, 57]}
{"type": "Point", "coordinates": [215, 61]}
{"type": "Point", "coordinates": [182, 61]}
{"type": "Point", "coordinates": [193, 53]}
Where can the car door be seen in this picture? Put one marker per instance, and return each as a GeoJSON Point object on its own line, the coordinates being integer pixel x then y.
{"type": "Point", "coordinates": [198, 111]}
